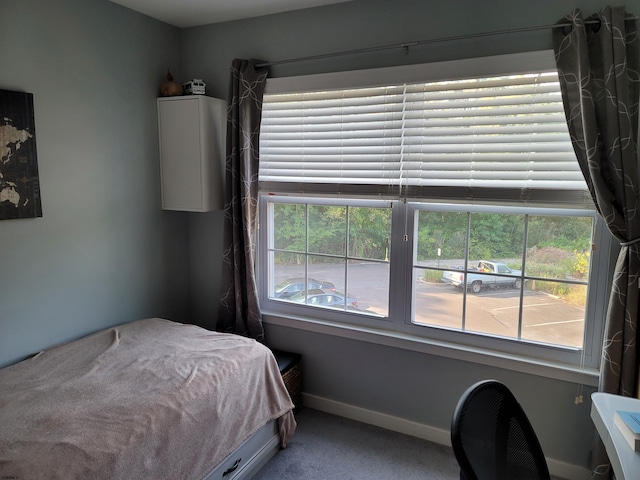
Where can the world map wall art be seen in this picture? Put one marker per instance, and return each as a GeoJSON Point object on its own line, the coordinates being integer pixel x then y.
{"type": "Point", "coordinates": [19, 183]}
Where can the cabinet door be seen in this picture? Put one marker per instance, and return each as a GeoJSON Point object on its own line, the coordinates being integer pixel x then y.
{"type": "Point", "coordinates": [181, 154]}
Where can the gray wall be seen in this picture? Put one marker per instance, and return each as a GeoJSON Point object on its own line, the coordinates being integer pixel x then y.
{"type": "Point", "coordinates": [410, 385]}
{"type": "Point", "coordinates": [104, 252]}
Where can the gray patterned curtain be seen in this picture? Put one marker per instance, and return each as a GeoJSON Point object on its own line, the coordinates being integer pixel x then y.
{"type": "Point", "coordinates": [599, 68]}
{"type": "Point", "coordinates": [239, 310]}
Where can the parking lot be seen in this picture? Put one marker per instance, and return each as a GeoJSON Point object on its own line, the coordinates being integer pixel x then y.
{"type": "Point", "coordinates": [545, 318]}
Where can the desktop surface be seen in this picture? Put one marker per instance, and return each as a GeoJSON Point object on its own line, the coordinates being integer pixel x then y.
{"type": "Point", "coordinates": [624, 460]}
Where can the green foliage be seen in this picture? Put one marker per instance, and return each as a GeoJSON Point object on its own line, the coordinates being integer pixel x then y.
{"type": "Point", "coordinates": [364, 232]}
{"type": "Point", "coordinates": [557, 248]}
{"type": "Point", "coordinates": [444, 230]}
{"type": "Point", "coordinates": [327, 229]}
{"type": "Point", "coordinates": [495, 235]}
{"type": "Point", "coordinates": [289, 226]}
{"type": "Point", "coordinates": [581, 264]}
{"type": "Point", "coordinates": [369, 232]}
{"type": "Point", "coordinates": [431, 276]}
{"type": "Point", "coordinates": [570, 293]}
{"type": "Point", "coordinates": [566, 233]}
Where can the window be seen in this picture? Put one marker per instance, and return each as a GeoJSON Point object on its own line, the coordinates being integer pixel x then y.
{"type": "Point", "coordinates": [441, 202]}
{"type": "Point", "coordinates": [533, 290]}
{"type": "Point", "coordinates": [342, 250]}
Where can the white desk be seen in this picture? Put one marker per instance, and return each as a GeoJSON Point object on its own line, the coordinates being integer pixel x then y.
{"type": "Point", "coordinates": [625, 462]}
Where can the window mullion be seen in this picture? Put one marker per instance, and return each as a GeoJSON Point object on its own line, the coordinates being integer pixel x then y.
{"type": "Point", "coordinates": [400, 288]}
{"type": "Point", "coordinates": [465, 291]}
{"type": "Point", "coordinates": [306, 249]}
{"type": "Point", "coordinates": [346, 256]}
{"type": "Point", "coordinates": [522, 275]}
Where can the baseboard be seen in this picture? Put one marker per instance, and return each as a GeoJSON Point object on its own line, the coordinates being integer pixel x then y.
{"type": "Point", "coordinates": [378, 419]}
{"type": "Point", "coordinates": [568, 470]}
{"type": "Point", "coordinates": [419, 430]}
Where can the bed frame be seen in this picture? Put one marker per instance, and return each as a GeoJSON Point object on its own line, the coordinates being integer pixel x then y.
{"type": "Point", "coordinates": [249, 457]}
{"type": "Point", "coordinates": [257, 450]}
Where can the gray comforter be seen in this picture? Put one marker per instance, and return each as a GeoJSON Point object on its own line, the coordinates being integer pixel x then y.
{"type": "Point", "coordinates": [148, 399]}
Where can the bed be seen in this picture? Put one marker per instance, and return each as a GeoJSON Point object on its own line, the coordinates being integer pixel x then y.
{"type": "Point", "coordinates": [149, 399]}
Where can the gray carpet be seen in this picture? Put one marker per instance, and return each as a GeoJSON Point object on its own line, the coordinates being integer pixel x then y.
{"type": "Point", "coordinates": [327, 447]}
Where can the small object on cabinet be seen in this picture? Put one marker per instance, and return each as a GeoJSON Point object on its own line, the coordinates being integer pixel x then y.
{"type": "Point", "coordinates": [194, 87]}
{"type": "Point", "coordinates": [629, 425]}
{"type": "Point", "coordinates": [170, 88]}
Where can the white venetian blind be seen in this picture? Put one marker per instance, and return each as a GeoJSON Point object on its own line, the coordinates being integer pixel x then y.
{"type": "Point", "coordinates": [340, 137]}
{"type": "Point", "coordinates": [496, 137]}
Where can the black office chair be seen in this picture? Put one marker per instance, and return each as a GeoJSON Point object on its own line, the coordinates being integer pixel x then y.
{"type": "Point", "coordinates": [492, 438]}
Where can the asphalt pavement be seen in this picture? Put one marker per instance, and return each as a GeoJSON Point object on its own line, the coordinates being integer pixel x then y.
{"type": "Point", "coordinates": [545, 318]}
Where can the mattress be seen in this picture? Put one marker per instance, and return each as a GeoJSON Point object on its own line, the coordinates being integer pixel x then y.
{"type": "Point", "coordinates": [147, 399]}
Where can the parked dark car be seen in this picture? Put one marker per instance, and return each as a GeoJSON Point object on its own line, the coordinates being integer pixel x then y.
{"type": "Point", "coordinates": [321, 298]}
{"type": "Point", "coordinates": [292, 286]}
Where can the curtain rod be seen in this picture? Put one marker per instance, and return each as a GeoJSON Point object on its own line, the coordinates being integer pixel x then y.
{"type": "Point", "coordinates": [424, 42]}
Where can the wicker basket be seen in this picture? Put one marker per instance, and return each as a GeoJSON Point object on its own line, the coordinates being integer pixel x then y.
{"type": "Point", "coordinates": [291, 371]}
{"type": "Point", "coordinates": [292, 380]}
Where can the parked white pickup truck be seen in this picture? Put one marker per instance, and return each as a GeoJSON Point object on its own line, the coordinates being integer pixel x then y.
{"type": "Point", "coordinates": [485, 275]}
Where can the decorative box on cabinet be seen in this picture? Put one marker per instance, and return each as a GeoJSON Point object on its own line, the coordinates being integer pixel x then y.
{"type": "Point", "coordinates": [192, 133]}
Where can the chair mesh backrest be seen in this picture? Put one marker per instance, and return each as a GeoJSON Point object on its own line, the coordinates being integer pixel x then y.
{"type": "Point", "coordinates": [492, 438]}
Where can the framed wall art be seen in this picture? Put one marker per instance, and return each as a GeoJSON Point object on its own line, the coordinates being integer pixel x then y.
{"type": "Point", "coordinates": [19, 181]}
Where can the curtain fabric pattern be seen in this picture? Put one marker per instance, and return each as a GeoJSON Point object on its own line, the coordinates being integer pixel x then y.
{"type": "Point", "coordinates": [239, 310]}
{"type": "Point", "coordinates": [599, 68]}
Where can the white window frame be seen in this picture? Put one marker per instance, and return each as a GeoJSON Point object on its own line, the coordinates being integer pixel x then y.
{"type": "Point", "coordinates": [397, 329]}
{"type": "Point", "coordinates": [589, 356]}
{"type": "Point", "coordinates": [578, 365]}
{"type": "Point", "coordinates": [270, 305]}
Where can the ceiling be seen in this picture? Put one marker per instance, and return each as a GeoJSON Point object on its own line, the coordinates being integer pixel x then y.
{"type": "Point", "coordinates": [190, 13]}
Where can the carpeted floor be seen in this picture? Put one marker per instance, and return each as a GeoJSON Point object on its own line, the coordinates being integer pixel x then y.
{"type": "Point", "coordinates": [327, 447]}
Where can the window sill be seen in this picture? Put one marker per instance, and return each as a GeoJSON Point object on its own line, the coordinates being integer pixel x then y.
{"type": "Point", "coordinates": [558, 371]}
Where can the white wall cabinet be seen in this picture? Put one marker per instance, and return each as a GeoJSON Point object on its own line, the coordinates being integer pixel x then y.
{"type": "Point", "coordinates": [192, 133]}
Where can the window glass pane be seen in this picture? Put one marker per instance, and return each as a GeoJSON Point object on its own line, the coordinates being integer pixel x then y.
{"type": "Point", "coordinates": [495, 311]}
{"type": "Point", "coordinates": [442, 238]}
{"type": "Point", "coordinates": [554, 313]}
{"type": "Point", "coordinates": [326, 299]}
{"type": "Point", "coordinates": [327, 272]}
{"type": "Point", "coordinates": [369, 232]}
{"type": "Point", "coordinates": [318, 276]}
{"type": "Point", "coordinates": [369, 285]}
{"type": "Point", "coordinates": [436, 303]}
{"type": "Point", "coordinates": [327, 229]}
{"type": "Point", "coordinates": [495, 304]}
{"type": "Point", "coordinates": [288, 221]}
{"type": "Point", "coordinates": [558, 247]}
{"type": "Point", "coordinates": [288, 274]}
{"type": "Point", "coordinates": [496, 237]}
